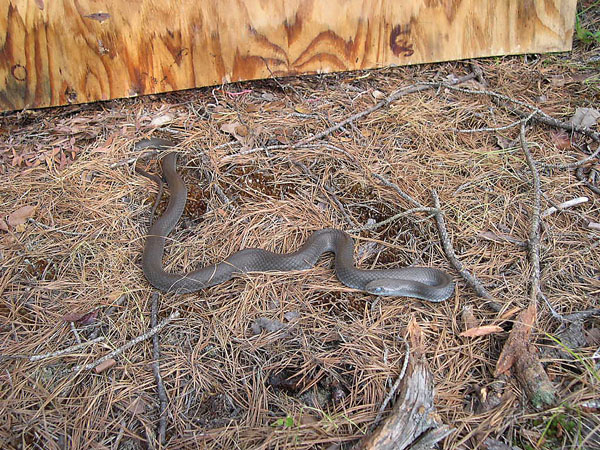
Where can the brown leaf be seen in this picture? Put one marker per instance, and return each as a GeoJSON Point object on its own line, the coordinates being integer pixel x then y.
{"type": "Point", "coordinates": [510, 313]}
{"type": "Point", "coordinates": [3, 225]}
{"type": "Point", "coordinates": [242, 130]}
{"type": "Point", "coordinates": [482, 331]}
{"type": "Point", "coordinates": [501, 237]}
{"type": "Point", "coordinates": [415, 337]}
{"type": "Point", "coordinates": [303, 109]}
{"type": "Point", "coordinates": [82, 318]}
{"type": "Point", "coordinates": [138, 406]}
{"type": "Point", "coordinates": [105, 365]}
{"type": "Point", "coordinates": [561, 139]}
{"type": "Point", "coordinates": [517, 343]}
{"type": "Point", "coordinates": [230, 127]}
{"type": "Point", "coordinates": [21, 215]}
{"type": "Point", "coordinates": [468, 317]}
{"type": "Point", "coordinates": [592, 336]}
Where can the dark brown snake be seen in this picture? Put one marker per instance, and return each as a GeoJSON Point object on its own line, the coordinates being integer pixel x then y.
{"type": "Point", "coordinates": [420, 282]}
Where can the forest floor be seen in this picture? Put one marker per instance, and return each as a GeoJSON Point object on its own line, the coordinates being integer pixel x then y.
{"type": "Point", "coordinates": [297, 360]}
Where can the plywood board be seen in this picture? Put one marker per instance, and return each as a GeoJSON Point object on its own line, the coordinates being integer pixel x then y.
{"type": "Point", "coordinates": [55, 52]}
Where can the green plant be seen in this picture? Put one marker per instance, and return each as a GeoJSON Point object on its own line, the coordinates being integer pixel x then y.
{"type": "Point", "coordinates": [583, 34]}
{"type": "Point", "coordinates": [285, 422]}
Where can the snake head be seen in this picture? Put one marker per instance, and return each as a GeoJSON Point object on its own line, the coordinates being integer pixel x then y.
{"type": "Point", "coordinates": [409, 288]}
{"type": "Point", "coordinates": [389, 287]}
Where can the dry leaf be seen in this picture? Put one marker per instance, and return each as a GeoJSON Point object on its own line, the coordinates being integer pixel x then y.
{"type": "Point", "coordinates": [377, 95]}
{"type": "Point", "coordinates": [230, 128]}
{"type": "Point", "coordinates": [268, 97]}
{"type": "Point", "coordinates": [505, 143]}
{"type": "Point", "coordinates": [561, 139]}
{"type": "Point", "coordinates": [3, 225]}
{"type": "Point", "coordinates": [82, 318]}
{"type": "Point", "coordinates": [21, 215]}
{"type": "Point", "coordinates": [138, 406]}
{"type": "Point", "coordinates": [268, 325]}
{"type": "Point", "coordinates": [482, 331]}
{"type": "Point", "coordinates": [105, 365]}
{"type": "Point", "coordinates": [303, 109]}
{"type": "Point", "coordinates": [585, 117]}
{"type": "Point", "coordinates": [161, 120]}
{"type": "Point", "coordinates": [468, 317]}
{"type": "Point", "coordinates": [510, 313]}
{"type": "Point", "coordinates": [241, 130]}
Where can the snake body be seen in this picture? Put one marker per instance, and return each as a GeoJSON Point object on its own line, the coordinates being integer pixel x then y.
{"type": "Point", "coordinates": [420, 282]}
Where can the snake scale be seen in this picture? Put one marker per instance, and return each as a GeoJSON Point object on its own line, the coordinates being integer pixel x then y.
{"type": "Point", "coordinates": [420, 282]}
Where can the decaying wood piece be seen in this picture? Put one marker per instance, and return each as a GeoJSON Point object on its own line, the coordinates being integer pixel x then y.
{"type": "Point", "coordinates": [75, 51]}
{"type": "Point", "coordinates": [413, 416]}
{"type": "Point", "coordinates": [521, 357]}
{"type": "Point", "coordinates": [413, 421]}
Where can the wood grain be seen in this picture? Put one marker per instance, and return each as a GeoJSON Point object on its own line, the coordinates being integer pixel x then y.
{"type": "Point", "coordinates": [55, 52]}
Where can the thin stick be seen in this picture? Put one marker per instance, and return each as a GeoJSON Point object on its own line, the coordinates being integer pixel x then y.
{"type": "Point", "coordinates": [578, 163]}
{"type": "Point", "coordinates": [385, 102]}
{"type": "Point", "coordinates": [393, 389]}
{"type": "Point", "coordinates": [581, 177]}
{"type": "Point", "coordinates": [408, 212]}
{"type": "Point", "coordinates": [451, 255]}
{"type": "Point", "coordinates": [568, 126]}
{"type": "Point", "coordinates": [162, 393]}
{"type": "Point", "coordinates": [400, 192]}
{"type": "Point", "coordinates": [534, 232]}
{"type": "Point", "coordinates": [130, 344]}
{"type": "Point", "coordinates": [72, 349]}
{"type": "Point", "coordinates": [108, 312]}
{"type": "Point", "coordinates": [478, 71]}
{"type": "Point", "coordinates": [564, 205]}
{"type": "Point", "coordinates": [495, 129]}
{"type": "Point", "coordinates": [75, 332]}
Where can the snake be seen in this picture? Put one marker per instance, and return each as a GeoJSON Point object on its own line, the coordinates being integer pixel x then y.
{"type": "Point", "coordinates": [425, 283]}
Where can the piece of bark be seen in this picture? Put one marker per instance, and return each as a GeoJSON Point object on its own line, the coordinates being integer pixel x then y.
{"type": "Point", "coordinates": [412, 416]}
{"type": "Point", "coordinates": [519, 356]}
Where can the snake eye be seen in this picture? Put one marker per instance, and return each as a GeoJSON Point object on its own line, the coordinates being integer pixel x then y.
{"type": "Point", "coordinates": [376, 290]}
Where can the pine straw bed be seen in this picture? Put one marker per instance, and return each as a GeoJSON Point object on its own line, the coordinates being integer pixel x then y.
{"type": "Point", "coordinates": [226, 385]}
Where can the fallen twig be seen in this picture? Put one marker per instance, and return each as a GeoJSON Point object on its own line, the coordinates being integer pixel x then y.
{"type": "Point", "coordinates": [385, 102]}
{"type": "Point", "coordinates": [108, 312]}
{"type": "Point", "coordinates": [394, 388]}
{"type": "Point", "coordinates": [568, 126]}
{"type": "Point", "coordinates": [575, 164]}
{"type": "Point", "coordinates": [65, 350]}
{"type": "Point", "coordinates": [454, 261]}
{"type": "Point", "coordinates": [162, 393]}
{"type": "Point", "coordinates": [564, 205]}
{"type": "Point", "coordinates": [495, 129]}
{"type": "Point", "coordinates": [400, 192]}
{"type": "Point", "coordinates": [408, 212]}
{"type": "Point", "coordinates": [581, 177]}
{"type": "Point", "coordinates": [75, 332]}
{"type": "Point", "coordinates": [128, 345]}
{"type": "Point", "coordinates": [534, 232]}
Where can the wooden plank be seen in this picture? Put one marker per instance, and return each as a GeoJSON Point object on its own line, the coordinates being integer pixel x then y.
{"type": "Point", "coordinates": [55, 52]}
